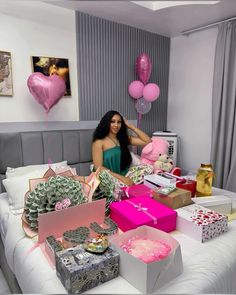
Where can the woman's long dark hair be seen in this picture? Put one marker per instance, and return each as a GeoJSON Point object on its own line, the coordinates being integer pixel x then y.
{"type": "Point", "coordinates": [103, 130]}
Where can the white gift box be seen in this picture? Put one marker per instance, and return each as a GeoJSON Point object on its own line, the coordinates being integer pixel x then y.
{"type": "Point", "coordinates": [201, 223]}
{"type": "Point", "coordinates": [149, 277]}
{"type": "Point", "coordinates": [220, 203]}
{"type": "Point", "coordinates": [162, 179]}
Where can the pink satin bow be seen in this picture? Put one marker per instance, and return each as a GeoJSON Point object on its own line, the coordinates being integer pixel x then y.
{"type": "Point", "coordinates": [140, 208]}
{"type": "Point", "coordinates": [143, 209]}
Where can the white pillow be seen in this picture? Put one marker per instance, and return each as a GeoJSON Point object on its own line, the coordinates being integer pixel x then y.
{"type": "Point", "coordinates": [13, 172]}
{"type": "Point", "coordinates": [16, 188]}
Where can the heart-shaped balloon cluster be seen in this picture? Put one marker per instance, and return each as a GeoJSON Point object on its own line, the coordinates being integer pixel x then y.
{"type": "Point", "coordinates": [140, 90]}
{"type": "Point", "coordinates": [46, 90]}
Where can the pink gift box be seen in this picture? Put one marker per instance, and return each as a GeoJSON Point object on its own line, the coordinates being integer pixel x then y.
{"type": "Point", "coordinates": [134, 212]}
{"type": "Point", "coordinates": [137, 190]}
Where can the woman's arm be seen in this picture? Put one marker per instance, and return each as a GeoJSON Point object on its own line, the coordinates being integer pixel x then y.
{"type": "Point", "coordinates": [97, 154]}
{"type": "Point", "coordinates": [125, 180]}
{"type": "Point", "coordinates": [141, 139]}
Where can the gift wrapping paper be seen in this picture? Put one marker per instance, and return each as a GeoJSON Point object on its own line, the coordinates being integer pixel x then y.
{"type": "Point", "coordinates": [80, 270]}
{"type": "Point", "coordinates": [209, 224]}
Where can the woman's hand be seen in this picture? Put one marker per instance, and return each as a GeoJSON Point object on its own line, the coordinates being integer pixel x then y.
{"type": "Point", "coordinates": [141, 137]}
{"type": "Point", "coordinates": [129, 126]}
{"type": "Point", "coordinates": [127, 181]}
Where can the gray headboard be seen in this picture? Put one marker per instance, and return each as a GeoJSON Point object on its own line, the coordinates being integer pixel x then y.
{"type": "Point", "coordinates": [37, 147]}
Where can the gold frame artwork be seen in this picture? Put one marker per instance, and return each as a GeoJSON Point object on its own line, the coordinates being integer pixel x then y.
{"type": "Point", "coordinates": [53, 65]}
{"type": "Point", "coordinates": [6, 85]}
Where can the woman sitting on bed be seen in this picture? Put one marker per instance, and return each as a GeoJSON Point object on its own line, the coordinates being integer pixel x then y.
{"type": "Point", "coordinates": [111, 155]}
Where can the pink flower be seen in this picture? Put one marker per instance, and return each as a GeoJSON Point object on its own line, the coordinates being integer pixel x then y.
{"type": "Point", "coordinates": [58, 206]}
{"type": "Point", "coordinates": [66, 203]}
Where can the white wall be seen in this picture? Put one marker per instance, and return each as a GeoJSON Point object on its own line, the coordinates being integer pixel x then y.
{"type": "Point", "coordinates": [190, 95]}
{"type": "Point", "coordinates": [33, 28]}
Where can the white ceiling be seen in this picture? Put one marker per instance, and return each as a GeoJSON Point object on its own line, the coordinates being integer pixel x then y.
{"type": "Point", "coordinates": [169, 21]}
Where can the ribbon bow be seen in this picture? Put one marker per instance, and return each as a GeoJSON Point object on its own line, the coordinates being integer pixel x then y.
{"type": "Point", "coordinates": [62, 205]}
{"type": "Point", "coordinates": [140, 208]}
{"type": "Point", "coordinates": [143, 209]}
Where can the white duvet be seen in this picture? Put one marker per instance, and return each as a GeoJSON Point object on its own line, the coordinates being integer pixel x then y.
{"type": "Point", "coordinates": [208, 267]}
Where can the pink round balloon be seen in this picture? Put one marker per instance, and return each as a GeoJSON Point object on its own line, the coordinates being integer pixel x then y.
{"type": "Point", "coordinates": [151, 92]}
{"type": "Point", "coordinates": [46, 90]}
{"type": "Point", "coordinates": [143, 67]}
{"type": "Point", "coordinates": [142, 106]}
{"type": "Point", "coordinates": [136, 89]}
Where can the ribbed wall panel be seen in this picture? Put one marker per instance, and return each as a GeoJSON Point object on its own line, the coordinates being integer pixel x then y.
{"type": "Point", "coordinates": [106, 53]}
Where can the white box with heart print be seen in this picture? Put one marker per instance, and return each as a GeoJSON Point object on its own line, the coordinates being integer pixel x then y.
{"type": "Point", "coordinates": [201, 223]}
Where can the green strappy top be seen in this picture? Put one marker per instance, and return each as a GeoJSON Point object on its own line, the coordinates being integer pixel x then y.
{"type": "Point", "coordinates": [111, 160]}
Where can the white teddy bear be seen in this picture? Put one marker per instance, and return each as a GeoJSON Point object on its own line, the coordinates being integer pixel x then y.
{"type": "Point", "coordinates": [163, 163]}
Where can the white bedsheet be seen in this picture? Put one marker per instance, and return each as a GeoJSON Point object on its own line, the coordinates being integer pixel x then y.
{"type": "Point", "coordinates": [4, 215]}
{"type": "Point", "coordinates": [208, 267]}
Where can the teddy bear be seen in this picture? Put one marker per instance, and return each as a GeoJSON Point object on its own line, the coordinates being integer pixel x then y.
{"type": "Point", "coordinates": [151, 152]}
{"type": "Point", "coordinates": [163, 163]}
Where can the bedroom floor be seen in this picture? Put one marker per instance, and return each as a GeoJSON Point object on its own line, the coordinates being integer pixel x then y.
{"type": "Point", "coordinates": [3, 285]}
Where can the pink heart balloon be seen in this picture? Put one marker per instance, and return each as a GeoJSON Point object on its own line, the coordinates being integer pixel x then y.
{"type": "Point", "coordinates": [143, 67]}
{"type": "Point", "coordinates": [46, 90]}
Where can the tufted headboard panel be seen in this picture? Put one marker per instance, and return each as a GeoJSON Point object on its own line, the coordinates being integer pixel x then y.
{"type": "Point", "coordinates": [39, 147]}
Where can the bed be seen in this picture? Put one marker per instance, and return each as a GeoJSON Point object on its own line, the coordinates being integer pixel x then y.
{"type": "Point", "coordinates": [208, 267]}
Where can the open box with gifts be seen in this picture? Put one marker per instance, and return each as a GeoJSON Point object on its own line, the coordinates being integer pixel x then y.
{"type": "Point", "coordinates": [148, 277]}
{"type": "Point", "coordinates": [58, 222]}
{"type": "Point", "coordinates": [78, 269]}
{"type": "Point", "coordinates": [59, 211]}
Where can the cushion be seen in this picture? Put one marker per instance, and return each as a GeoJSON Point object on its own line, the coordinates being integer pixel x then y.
{"type": "Point", "coordinates": [12, 172]}
{"type": "Point", "coordinates": [16, 188]}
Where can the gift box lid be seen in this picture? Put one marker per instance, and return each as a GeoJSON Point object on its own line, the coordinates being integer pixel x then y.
{"type": "Point", "coordinates": [200, 215]}
{"type": "Point", "coordinates": [161, 177]}
{"type": "Point", "coordinates": [141, 210]}
{"type": "Point", "coordinates": [78, 258]}
{"type": "Point", "coordinates": [138, 190]}
{"type": "Point", "coordinates": [212, 200]}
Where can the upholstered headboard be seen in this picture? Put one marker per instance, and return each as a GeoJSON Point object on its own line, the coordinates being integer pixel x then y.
{"type": "Point", "coordinates": [39, 147]}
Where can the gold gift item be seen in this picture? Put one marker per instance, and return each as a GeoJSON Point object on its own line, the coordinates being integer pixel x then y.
{"type": "Point", "coordinates": [204, 179]}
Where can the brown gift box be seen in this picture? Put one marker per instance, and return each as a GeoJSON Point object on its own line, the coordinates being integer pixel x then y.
{"type": "Point", "coordinates": [176, 199]}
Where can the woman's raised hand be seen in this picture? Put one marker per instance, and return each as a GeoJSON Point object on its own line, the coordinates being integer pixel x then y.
{"type": "Point", "coordinates": [129, 126]}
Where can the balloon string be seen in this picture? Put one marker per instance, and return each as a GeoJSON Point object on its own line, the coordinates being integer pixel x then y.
{"type": "Point", "coordinates": [48, 139]}
{"type": "Point", "coordinates": [139, 120]}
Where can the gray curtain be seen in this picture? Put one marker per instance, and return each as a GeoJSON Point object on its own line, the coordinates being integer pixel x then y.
{"type": "Point", "coordinates": [223, 150]}
{"type": "Point", "coordinates": [106, 53]}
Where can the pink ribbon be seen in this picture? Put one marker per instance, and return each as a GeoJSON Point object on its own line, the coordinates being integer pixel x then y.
{"type": "Point", "coordinates": [140, 208]}
{"type": "Point", "coordinates": [143, 209]}
{"type": "Point", "coordinates": [127, 192]}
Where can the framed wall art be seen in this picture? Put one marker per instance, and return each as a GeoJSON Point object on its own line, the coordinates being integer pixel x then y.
{"type": "Point", "coordinates": [53, 66]}
{"type": "Point", "coordinates": [6, 87]}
